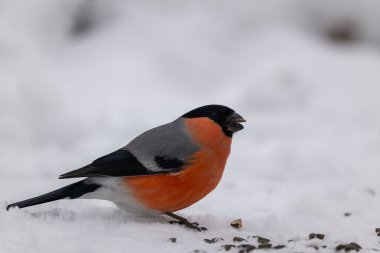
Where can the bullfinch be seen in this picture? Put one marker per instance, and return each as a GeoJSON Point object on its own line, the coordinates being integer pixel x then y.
{"type": "Point", "coordinates": [163, 170]}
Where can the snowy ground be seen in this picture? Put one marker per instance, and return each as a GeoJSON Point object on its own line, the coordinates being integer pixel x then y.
{"type": "Point", "coordinates": [71, 91]}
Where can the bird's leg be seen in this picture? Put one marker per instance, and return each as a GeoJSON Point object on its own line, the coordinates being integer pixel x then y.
{"type": "Point", "coordinates": [183, 221]}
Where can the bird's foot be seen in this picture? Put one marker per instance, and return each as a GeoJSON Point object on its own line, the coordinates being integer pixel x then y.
{"type": "Point", "coordinates": [182, 221]}
{"type": "Point", "coordinates": [192, 225]}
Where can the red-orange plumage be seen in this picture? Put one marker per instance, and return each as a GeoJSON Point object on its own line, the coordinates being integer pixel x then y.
{"type": "Point", "coordinates": [172, 192]}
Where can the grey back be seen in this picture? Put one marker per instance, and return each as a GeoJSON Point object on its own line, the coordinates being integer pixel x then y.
{"type": "Point", "coordinates": [170, 141]}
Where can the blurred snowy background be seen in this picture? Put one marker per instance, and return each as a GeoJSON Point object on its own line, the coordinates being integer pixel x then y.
{"type": "Point", "coordinates": [81, 78]}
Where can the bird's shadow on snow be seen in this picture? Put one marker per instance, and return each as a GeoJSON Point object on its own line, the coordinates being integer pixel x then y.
{"type": "Point", "coordinates": [109, 215]}
{"type": "Point", "coordinates": [83, 212]}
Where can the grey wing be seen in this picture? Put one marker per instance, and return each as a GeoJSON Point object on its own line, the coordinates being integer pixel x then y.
{"type": "Point", "coordinates": [164, 149]}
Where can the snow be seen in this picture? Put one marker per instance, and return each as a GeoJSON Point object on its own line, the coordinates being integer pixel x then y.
{"type": "Point", "coordinates": [309, 152]}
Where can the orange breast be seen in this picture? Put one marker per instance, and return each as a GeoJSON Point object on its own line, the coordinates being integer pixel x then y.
{"type": "Point", "coordinates": [172, 192]}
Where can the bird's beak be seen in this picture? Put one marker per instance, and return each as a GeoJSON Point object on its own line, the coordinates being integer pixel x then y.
{"type": "Point", "coordinates": [233, 122]}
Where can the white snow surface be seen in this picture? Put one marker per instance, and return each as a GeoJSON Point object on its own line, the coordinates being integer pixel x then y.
{"type": "Point", "coordinates": [309, 153]}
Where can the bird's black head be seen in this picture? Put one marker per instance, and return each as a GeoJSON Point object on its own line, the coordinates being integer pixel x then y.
{"type": "Point", "coordinates": [227, 118]}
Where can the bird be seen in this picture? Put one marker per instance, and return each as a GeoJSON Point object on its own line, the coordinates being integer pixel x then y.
{"type": "Point", "coordinates": [161, 171]}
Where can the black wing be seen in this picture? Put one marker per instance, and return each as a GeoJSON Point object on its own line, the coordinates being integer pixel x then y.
{"type": "Point", "coordinates": [123, 163]}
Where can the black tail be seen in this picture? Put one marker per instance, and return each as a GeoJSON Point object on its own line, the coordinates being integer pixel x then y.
{"type": "Point", "coordinates": [71, 191]}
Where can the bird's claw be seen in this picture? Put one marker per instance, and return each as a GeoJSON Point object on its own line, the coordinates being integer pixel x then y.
{"type": "Point", "coordinates": [192, 225]}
